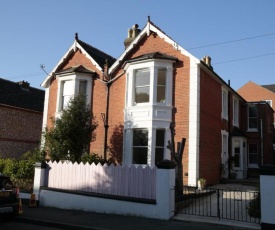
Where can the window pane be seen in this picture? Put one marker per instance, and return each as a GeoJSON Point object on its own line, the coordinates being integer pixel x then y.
{"type": "Point", "coordinates": [160, 137]}
{"type": "Point", "coordinates": [82, 87]}
{"type": "Point", "coordinates": [252, 111]}
{"type": "Point", "coordinates": [140, 146]}
{"type": "Point", "coordinates": [142, 86]}
{"type": "Point", "coordinates": [140, 155]}
{"type": "Point", "coordinates": [161, 85]}
{"type": "Point", "coordinates": [67, 93]}
{"type": "Point", "coordinates": [142, 94]}
{"type": "Point", "coordinates": [252, 123]}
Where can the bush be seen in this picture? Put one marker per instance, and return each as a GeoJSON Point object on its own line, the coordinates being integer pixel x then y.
{"type": "Point", "coordinates": [21, 171]}
{"type": "Point", "coordinates": [95, 158]}
{"type": "Point", "coordinates": [254, 206]}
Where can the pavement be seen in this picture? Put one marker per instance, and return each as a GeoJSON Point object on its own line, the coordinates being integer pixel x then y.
{"type": "Point", "coordinates": [77, 219]}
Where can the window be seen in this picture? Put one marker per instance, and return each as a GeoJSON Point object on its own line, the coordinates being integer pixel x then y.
{"type": "Point", "coordinates": [235, 112]}
{"type": "Point", "coordinates": [161, 85]}
{"type": "Point", "coordinates": [140, 146]}
{"type": "Point", "coordinates": [83, 87]}
{"type": "Point", "coordinates": [142, 86]}
{"type": "Point", "coordinates": [159, 148]}
{"type": "Point", "coordinates": [253, 154]}
{"type": "Point", "coordinates": [224, 104]}
{"type": "Point", "coordinates": [252, 117]}
{"type": "Point", "coordinates": [67, 93]}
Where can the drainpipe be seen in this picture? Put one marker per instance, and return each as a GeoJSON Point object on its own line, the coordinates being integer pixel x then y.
{"type": "Point", "coordinates": [262, 146]}
{"type": "Point", "coordinates": [106, 120]}
{"type": "Point", "coordinates": [229, 128]}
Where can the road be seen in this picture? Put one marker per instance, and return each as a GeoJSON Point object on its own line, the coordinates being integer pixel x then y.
{"type": "Point", "coordinates": [158, 225]}
{"type": "Point", "coordinates": [13, 225]}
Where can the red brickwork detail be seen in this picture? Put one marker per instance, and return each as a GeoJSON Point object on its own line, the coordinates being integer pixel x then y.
{"type": "Point", "coordinates": [20, 131]}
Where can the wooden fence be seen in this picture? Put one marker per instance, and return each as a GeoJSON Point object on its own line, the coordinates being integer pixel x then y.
{"type": "Point", "coordinates": [134, 181]}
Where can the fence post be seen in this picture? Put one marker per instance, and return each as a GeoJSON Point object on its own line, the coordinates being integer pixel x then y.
{"type": "Point", "coordinates": [267, 191]}
{"type": "Point", "coordinates": [165, 189]}
{"type": "Point", "coordinates": [39, 177]}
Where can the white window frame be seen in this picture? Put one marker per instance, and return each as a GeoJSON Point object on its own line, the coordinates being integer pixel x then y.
{"type": "Point", "coordinates": [236, 112]}
{"type": "Point", "coordinates": [151, 115]}
{"type": "Point", "coordinates": [75, 78]}
{"type": "Point", "coordinates": [224, 104]}
{"type": "Point", "coordinates": [153, 65]}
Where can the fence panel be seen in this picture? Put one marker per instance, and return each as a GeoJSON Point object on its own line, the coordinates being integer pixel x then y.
{"type": "Point", "coordinates": [225, 204]}
{"type": "Point", "coordinates": [139, 182]}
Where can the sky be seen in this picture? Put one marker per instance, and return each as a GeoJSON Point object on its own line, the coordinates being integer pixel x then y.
{"type": "Point", "coordinates": [238, 35]}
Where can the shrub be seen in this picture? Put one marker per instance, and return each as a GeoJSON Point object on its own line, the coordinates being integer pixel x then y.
{"type": "Point", "coordinates": [254, 206]}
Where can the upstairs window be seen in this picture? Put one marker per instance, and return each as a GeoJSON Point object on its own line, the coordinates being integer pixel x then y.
{"type": "Point", "coordinates": [224, 104]}
{"type": "Point", "coordinates": [252, 118]}
{"type": "Point", "coordinates": [67, 93]}
{"type": "Point", "coordinates": [161, 85]}
{"type": "Point", "coordinates": [140, 146]}
{"type": "Point", "coordinates": [142, 85]}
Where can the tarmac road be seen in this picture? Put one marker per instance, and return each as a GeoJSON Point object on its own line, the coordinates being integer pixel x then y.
{"type": "Point", "coordinates": [72, 219]}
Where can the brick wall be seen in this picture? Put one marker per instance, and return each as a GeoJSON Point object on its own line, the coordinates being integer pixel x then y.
{"type": "Point", "coordinates": [20, 131]}
{"type": "Point", "coordinates": [210, 128]}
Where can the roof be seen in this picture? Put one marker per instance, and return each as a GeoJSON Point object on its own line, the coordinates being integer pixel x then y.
{"type": "Point", "coordinates": [99, 56]}
{"type": "Point", "coordinates": [96, 56]}
{"type": "Point", "coordinates": [155, 55]}
{"type": "Point", "coordinates": [151, 27]}
{"type": "Point", "coordinates": [78, 69]}
{"type": "Point", "coordinates": [270, 87]}
{"type": "Point", "coordinates": [21, 95]}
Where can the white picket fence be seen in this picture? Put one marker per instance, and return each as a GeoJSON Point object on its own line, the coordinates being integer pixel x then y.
{"type": "Point", "coordinates": [138, 182]}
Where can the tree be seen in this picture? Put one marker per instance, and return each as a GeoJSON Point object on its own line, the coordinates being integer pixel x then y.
{"type": "Point", "coordinates": [72, 133]}
{"type": "Point", "coordinates": [177, 158]}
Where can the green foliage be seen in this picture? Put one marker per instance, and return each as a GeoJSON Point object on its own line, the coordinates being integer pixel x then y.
{"type": "Point", "coordinates": [21, 171]}
{"type": "Point", "coordinates": [254, 206]}
{"type": "Point", "coordinates": [95, 158]}
{"type": "Point", "coordinates": [71, 134]}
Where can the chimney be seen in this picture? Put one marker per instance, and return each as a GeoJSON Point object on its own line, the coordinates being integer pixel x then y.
{"type": "Point", "coordinates": [132, 34]}
{"type": "Point", "coordinates": [207, 61]}
{"type": "Point", "coordinates": [24, 85]}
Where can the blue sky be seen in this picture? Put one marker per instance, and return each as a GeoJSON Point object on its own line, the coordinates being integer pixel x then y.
{"type": "Point", "coordinates": [239, 35]}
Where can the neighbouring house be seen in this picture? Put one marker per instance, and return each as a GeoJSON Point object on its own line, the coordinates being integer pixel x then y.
{"type": "Point", "coordinates": [254, 92]}
{"type": "Point", "coordinates": [156, 82]}
{"type": "Point", "coordinates": [21, 115]}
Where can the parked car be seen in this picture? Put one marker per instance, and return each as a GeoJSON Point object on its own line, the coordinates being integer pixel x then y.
{"type": "Point", "coordinates": [9, 197]}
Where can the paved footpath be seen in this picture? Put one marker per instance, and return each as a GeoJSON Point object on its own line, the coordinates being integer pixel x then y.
{"type": "Point", "coordinates": [72, 219]}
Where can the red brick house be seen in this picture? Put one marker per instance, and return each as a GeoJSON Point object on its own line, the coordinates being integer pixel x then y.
{"type": "Point", "coordinates": [135, 98]}
{"type": "Point", "coordinates": [254, 92]}
{"type": "Point", "coordinates": [21, 115]}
